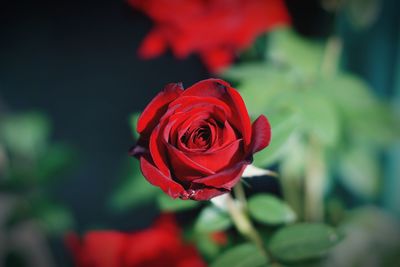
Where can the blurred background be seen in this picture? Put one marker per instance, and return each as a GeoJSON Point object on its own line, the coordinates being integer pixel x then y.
{"type": "Point", "coordinates": [70, 78]}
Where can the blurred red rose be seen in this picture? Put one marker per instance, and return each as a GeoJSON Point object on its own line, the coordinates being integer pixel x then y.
{"type": "Point", "coordinates": [159, 246]}
{"type": "Point", "coordinates": [196, 143]}
{"type": "Point", "coordinates": [216, 29]}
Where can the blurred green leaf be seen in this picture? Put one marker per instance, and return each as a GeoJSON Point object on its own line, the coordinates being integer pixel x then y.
{"type": "Point", "coordinates": [244, 255]}
{"type": "Point", "coordinates": [207, 246]}
{"type": "Point", "coordinates": [56, 159]}
{"type": "Point", "coordinates": [134, 190]}
{"type": "Point", "coordinates": [303, 241]}
{"type": "Point", "coordinates": [283, 125]}
{"type": "Point", "coordinates": [25, 134]}
{"type": "Point", "coordinates": [54, 218]}
{"type": "Point", "coordinates": [363, 13]}
{"type": "Point", "coordinates": [365, 116]}
{"type": "Point", "coordinates": [288, 48]}
{"type": "Point", "coordinates": [360, 171]}
{"type": "Point", "coordinates": [372, 239]}
{"type": "Point", "coordinates": [166, 203]}
{"type": "Point", "coordinates": [268, 209]}
{"type": "Point", "coordinates": [260, 86]}
{"type": "Point", "coordinates": [133, 119]}
{"type": "Point", "coordinates": [319, 117]}
{"type": "Point", "coordinates": [212, 219]}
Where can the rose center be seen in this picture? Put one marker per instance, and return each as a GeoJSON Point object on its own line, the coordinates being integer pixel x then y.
{"type": "Point", "coordinates": [198, 138]}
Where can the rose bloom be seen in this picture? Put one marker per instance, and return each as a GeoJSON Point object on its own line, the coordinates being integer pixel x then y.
{"type": "Point", "coordinates": [196, 143]}
{"type": "Point", "coordinates": [216, 29]}
{"type": "Point", "coordinates": [159, 246]}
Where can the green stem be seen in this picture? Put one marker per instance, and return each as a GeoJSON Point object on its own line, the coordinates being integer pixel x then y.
{"type": "Point", "coordinates": [240, 194]}
{"type": "Point", "coordinates": [314, 182]}
{"type": "Point", "coordinates": [244, 225]}
{"type": "Point", "coordinates": [331, 57]}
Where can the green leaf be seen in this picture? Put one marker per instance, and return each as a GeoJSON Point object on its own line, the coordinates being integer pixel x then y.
{"type": "Point", "coordinates": [133, 119]}
{"type": "Point", "coordinates": [268, 209]}
{"type": "Point", "coordinates": [166, 203]}
{"type": "Point", "coordinates": [133, 191]}
{"type": "Point", "coordinates": [212, 219]}
{"type": "Point", "coordinates": [303, 241]}
{"type": "Point", "coordinates": [244, 255]}
{"type": "Point", "coordinates": [360, 171]}
{"type": "Point", "coordinates": [25, 134]}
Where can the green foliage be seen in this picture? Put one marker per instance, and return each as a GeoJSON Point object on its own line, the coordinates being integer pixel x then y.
{"type": "Point", "coordinates": [133, 119]}
{"type": "Point", "coordinates": [212, 219]}
{"type": "Point", "coordinates": [371, 237]}
{"type": "Point", "coordinates": [312, 110]}
{"type": "Point", "coordinates": [363, 168]}
{"type": "Point", "coordinates": [268, 209]}
{"type": "Point", "coordinates": [25, 134]}
{"type": "Point", "coordinates": [134, 189]}
{"type": "Point", "coordinates": [303, 56]}
{"type": "Point", "coordinates": [207, 246]}
{"type": "Point", "coordinates": [29, 163]}
{"type": "Point", "coordinates": [303, 241]}
{"type": "Point", "coordinates": [283, 126]}
{"type": "Point", "coordinates": [55, 219]}
{"type": "Point", "coordinates": [243, 255]}
{"type": "Point", "coordinates": [166, 203]}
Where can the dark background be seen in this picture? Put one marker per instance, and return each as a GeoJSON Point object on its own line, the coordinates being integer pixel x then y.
{"type": "Point", "coordinates": [76, 61]}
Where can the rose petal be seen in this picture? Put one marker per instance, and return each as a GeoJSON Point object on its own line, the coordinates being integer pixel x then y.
{"type": "Point", "coordinates": [261, 134]}
{"type": "Point", "coordinates": [157, 178]}
{"type": "Point", "coordinates": [225, 179]}
{"type": "Point", "coordinates": [157, 107]}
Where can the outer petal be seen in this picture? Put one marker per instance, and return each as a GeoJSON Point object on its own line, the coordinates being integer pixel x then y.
{"type": "Point", "coordinates": [222, 90]}
{"type": "Point", "coordinates": [157, 107]}
{"type": "Point", "coordinates": [206, 193]}
{"type": "Point", "coordinates": [225, 179]}
{"type": "Point", "coordinates": [261, 134]}
{"type": "Point", "coordinates": [157, 178]}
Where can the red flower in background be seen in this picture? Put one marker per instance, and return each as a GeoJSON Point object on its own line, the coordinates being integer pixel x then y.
{"type": "Point", "coordinates": [159, 246]}
{"type": "Point", "coordinates": [215, 29]}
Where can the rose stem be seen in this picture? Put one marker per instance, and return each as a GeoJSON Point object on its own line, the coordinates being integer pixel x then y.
{"type": "Point", "coordinates": [314, 182]}
{"type": "Point", "coordinates": [245, 227]}
{"type": "Point", "coordinates": [240, 194]}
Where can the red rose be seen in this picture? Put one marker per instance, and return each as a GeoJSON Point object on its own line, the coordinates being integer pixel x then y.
{"type": "Point", "coordinates": [196, 143]}
{"type": "Point", "coordinates": [216, 29]}
{"type": "Point", "coordinates": [159, 246]}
